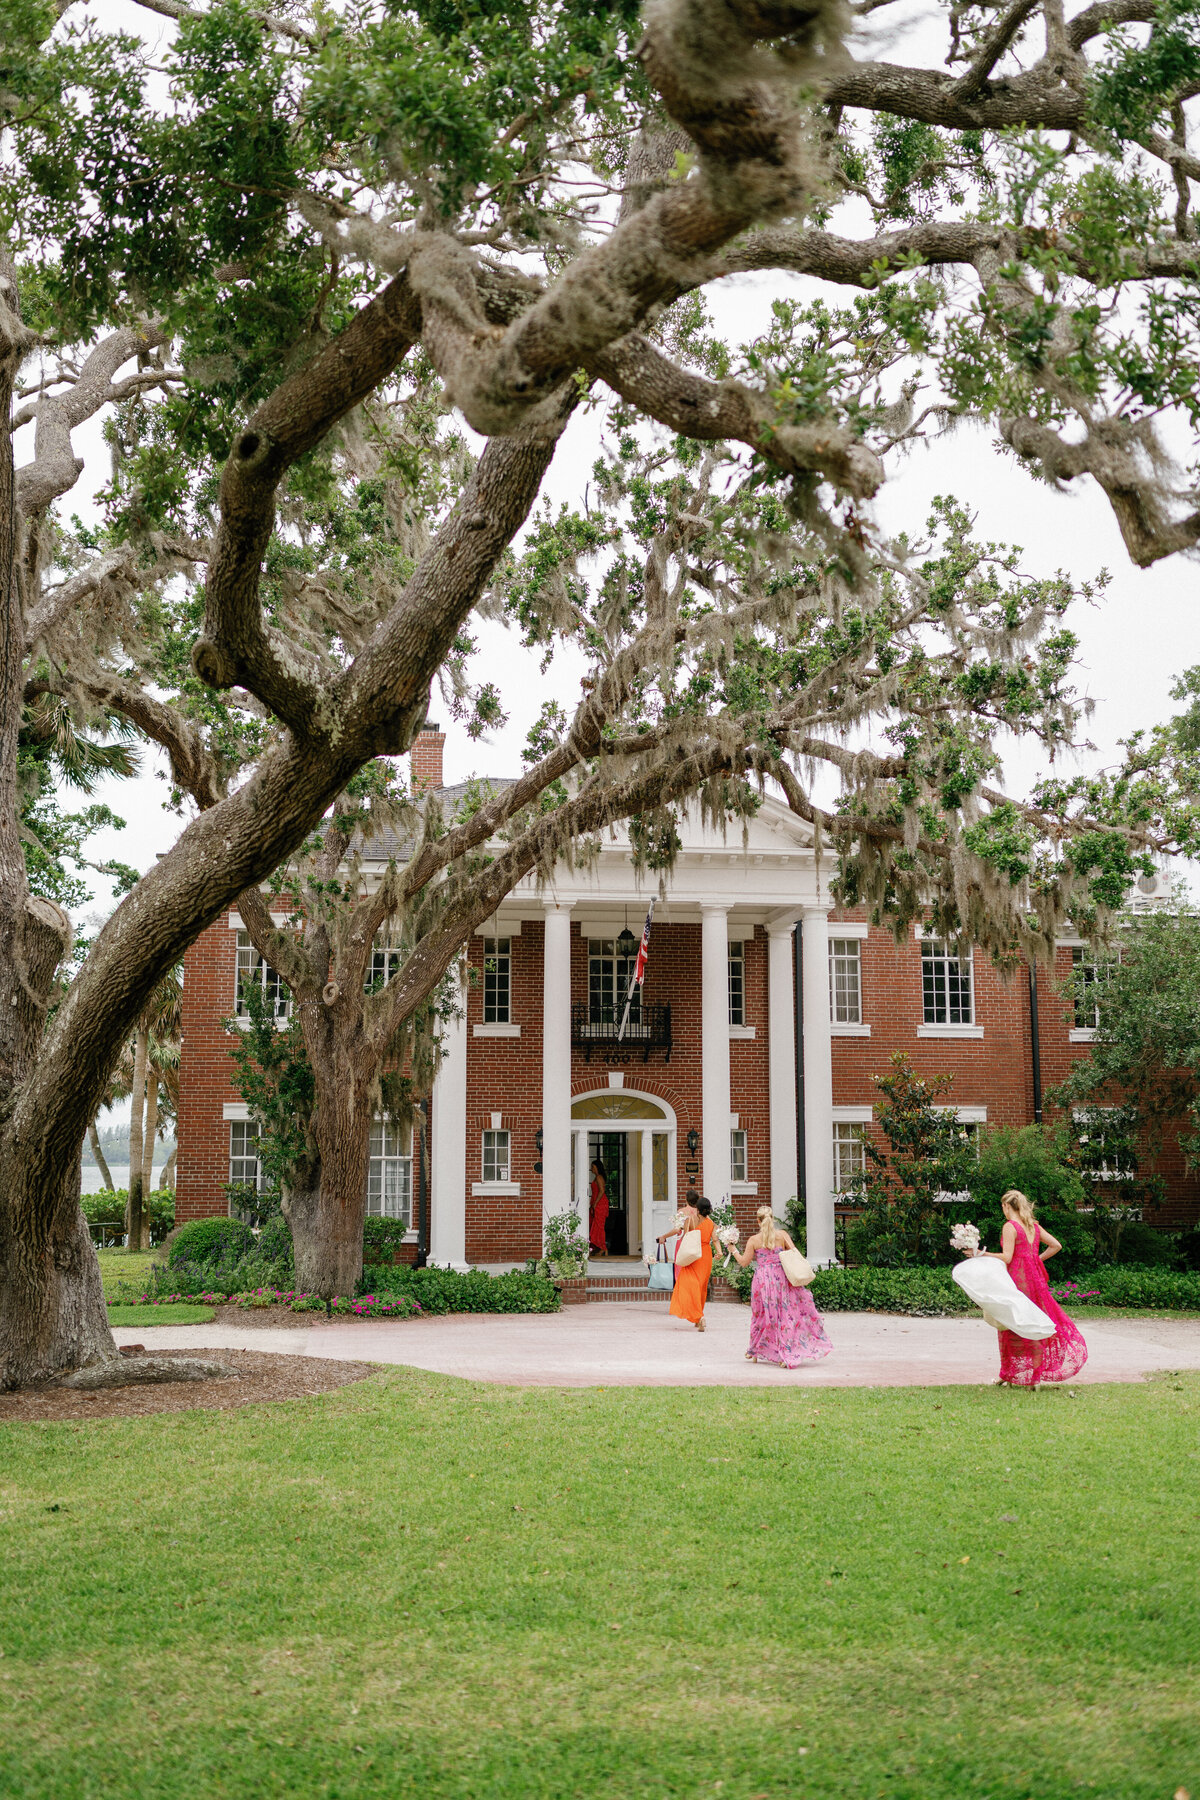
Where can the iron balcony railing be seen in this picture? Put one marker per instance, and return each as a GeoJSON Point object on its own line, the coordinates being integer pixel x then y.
{"type": "Point", "coordinates": [596, 1028]}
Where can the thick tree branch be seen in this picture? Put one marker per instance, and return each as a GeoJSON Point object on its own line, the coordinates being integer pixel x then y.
{"type": "Point", "coordinates": [55, 468]}
{"type": "Point", "coordinates": [177, 10]}
{"type": "Point", "coordinates": [236, 648]}
{"type": "Point", "coordinates": [998, 40]}
{"type": "Point", "coordinates": [281, 950]}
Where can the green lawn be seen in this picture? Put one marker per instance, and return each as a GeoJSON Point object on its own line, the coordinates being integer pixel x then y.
{"type": "Point", "coordinates": [122, 1265]}
{"type": "Point", "coordinates": [419, 1586]}
{"type": "Point", "coordinates": [161, 1315]}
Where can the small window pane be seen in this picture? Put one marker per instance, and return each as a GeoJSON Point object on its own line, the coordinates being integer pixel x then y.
{"type": "Point", "coordinates": [737, 1156]}
{"type": "Point", "coordinates": [389, 1173]}
{"type": "Point", "coordinates": [495, 1156]}
{"type": "Point", "coordinates": [737, 985]}
{"type": "Point", "coordinates": [497, 967]}
{"type": "Point", "coordinates": [845, 981]}
{"type": "Point", "coordinates": [1088, 970]}
{"type": "Point", "coordinates": [849, 1156]}
{"type": "Point", "coordinates": [946, 984]}
{"type": "Point", "coordinates": [243, 1152]}
{"type": "Point", "coordinates": [609, 976]}
{"type": "Point", "coordinates": [251, 968]}
{"type": "Point", "coordinates": [385, 965]}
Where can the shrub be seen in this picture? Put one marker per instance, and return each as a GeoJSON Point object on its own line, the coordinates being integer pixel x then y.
{"type": "Point", "coordinates": [274, 1243]}
{"type": "Point", "coordinates": [1173, 1290]}
{"type": "Point", "coordinates": [1032, 1158]}
{"type": "Point", "coordinates": [565, 1255]}
{"type": "Point", "coordinates": [1187, 1247]}
{"type": "Point", "coordinates": [448, 1291]}
{"type": "Point", "coordinates": [210, 1241]}
{"type": "Point", "coordinates": [924, 1293]}
{"type": "Point", "coordinates": [1135, 1244]}
{"type": "Point", "coordinates": [382, 1238]}
{"type": "Point", "coordinates": [107, 1207]}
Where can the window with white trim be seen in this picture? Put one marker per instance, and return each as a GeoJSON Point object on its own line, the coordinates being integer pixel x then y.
{"type": "Point", "coordinates": [389, 1172]}
{"type": "Point", "coordinates": [845, 981]}
{"type": "Point", "coordinates": [244, 1165]}
{"type": "Point", "coordinates": [737, 990]}
{"type": "Point", "coordinates": [497, 980]}
{"type": "Point", "coordinates": [1087, 969]}
{"type": "Point", "coordinates": [385, 965]}
{"type": "Point", "coordinates": [251, 969]}
{"type": "Point", "coordinates": [496, 1155]}
{"type": "Point", "coordinates": [609, 975]}
{"type": "Point", "coordinates": [947, 988]}
{"type": "Point", "coordinates": [849, 1154]}
{"type": "Point", "coordinates": [739, 1167]}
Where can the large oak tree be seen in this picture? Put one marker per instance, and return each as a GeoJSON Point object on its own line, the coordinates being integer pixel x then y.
{"type": "Point", "coordinates": [313, 218]}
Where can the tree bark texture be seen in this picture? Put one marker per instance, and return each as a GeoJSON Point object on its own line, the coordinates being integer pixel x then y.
{"type": "Point", "coordinates": [149, 1135]}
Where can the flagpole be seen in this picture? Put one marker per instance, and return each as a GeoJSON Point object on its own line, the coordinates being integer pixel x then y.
{"type": "Point", "coordinates": [639, 963]}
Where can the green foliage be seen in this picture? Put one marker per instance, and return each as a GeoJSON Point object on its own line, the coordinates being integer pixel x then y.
{"type": "Point", "coordinates": [382, 1239]}
{"type": "Point", "coordinates": [209, 1241]}
{"type": "Point", "coordinates": [565, 1255]}
{"type": "Point", "coordinates": [924, 1292]}
{"type": "Point", "coordinates": [1161, 1289]}
{"type": "Point", "coordinates": [1038, 1161]}
{"type": "Point", "coordinates": [107, 1207]}
{"type": "Point", "coordinates": [123, 1314]}
{"type": "Point", "coordinates": [273, 1075]}
{"type": "Point", "coordinates": [928, 1155]}
{"type": "Point", "coordinates": [448, 1291]}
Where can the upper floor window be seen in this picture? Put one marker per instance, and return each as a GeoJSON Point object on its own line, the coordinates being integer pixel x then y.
{"type": "Point", "coordinates": [496, 1163]}
{"type": "Point", "coordinates": [389, 1172]}
{"type": "Point", "coordinates": [1087, 969]}
{"type": "Point", "coordinates": [737, 991]}
{"type": "Point", "coordinates": [946, 985]}
{"type": "Point", "coordinates": [849, 1155]}
{"type": "Point", "coordinates": [497, 980]}
{"type": "Point", "coordinates": [385, 964]}
{"type": "Point", "coordinates": [609, 975]}
{"type": "Point", "coordinates": [244, 1165]}
{"type": "Point", "coordinates": [845, 981]}
{"type": "Point", "coordinates": [738, 1162]}
{"type": "Point", "coordinates": [251, 968]}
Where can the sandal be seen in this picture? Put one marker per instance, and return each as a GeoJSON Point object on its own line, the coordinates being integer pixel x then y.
{"type": "Point", "coordinates": [700, 1325]}
{"type": "Point", "coordinates": [750, 1358]}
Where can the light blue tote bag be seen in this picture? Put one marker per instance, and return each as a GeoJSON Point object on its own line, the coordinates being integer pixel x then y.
{"type": "Point", "coordinates": [662, 1272]}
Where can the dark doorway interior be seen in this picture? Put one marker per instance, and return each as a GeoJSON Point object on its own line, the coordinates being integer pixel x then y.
{"type": "Point", "coordinates": [608, 1148]}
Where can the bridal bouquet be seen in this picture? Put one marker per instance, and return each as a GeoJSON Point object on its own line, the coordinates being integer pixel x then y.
{"type": "Point", "coordinates": [965, 1238]}
{"type": "Point", "coordinates": [729, 1235]}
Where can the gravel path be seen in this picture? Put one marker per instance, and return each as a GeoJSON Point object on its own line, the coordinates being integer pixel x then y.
{"type": "Point", "coordinates": [640, 1345]}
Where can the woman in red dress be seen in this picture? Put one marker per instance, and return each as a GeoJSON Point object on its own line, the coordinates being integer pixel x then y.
{"type": "Point", "coordinates": [598, 1215]}
{"type": "Point", "coordinates": [1026, 1249]}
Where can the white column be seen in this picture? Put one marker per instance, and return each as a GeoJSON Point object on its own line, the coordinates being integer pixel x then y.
{"type": "Point", "coordinates": [448, 1191]}
{"type": "Point", "coordinates": [781, 1056]}
{"type": "Point", "coordinates": [648, 1191]}
{"type": "Point", "coordinates": [582, 1185]}
{"type": "Point", "coordinates": [556, 1061]}
{"type": "Point", "coordinates": [714, 1052]}
{"type": "Point", "coordinates": [818, 1088]}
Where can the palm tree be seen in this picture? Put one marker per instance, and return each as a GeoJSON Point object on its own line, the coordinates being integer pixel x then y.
{"type": "Point", "coordinates": [155, 1050]}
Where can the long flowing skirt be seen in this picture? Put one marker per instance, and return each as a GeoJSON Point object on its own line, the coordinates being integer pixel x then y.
{"type": "Point", "coordinates": [1027, 1364]}
{"type": "Point", "coordinates": [785, 1326]}
{"type": "Point", "coordinates": [691, 1289]}
{"type": "Point", "coordinates": [596, 1223]}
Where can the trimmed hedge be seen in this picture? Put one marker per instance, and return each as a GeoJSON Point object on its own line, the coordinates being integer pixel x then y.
{"type": "Point", "coordinates": [210, 1241]}
{"type": "Point", "coordinates": [447, 1291]}
{"type": "Point", "coordinates": [932, 1294]}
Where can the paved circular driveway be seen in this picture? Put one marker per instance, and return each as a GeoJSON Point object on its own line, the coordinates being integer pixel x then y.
{"type": "Point", "coordinates": [639, 1345]}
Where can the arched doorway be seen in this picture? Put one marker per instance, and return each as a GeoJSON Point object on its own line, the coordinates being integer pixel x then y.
{"type": "Point", "coordinates": [634, 1135]}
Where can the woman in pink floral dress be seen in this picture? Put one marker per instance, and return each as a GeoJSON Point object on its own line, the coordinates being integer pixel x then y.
{"type": "Point", "coordinates": [785, 1326]}
{"type": "Point", "coordinates": [1026, 1248]}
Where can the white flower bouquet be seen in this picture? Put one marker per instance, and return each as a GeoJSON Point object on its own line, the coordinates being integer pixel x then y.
{"type": "Point", "coordinates": [965, 1238]}
{"type": "Point", "coordinates": [729, 1235]}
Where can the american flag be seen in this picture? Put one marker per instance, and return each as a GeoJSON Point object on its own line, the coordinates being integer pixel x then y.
{"type": "Point", "coordinates": [639, 970]}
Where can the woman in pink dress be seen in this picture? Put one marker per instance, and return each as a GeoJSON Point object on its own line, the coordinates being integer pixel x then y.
{"type": "Point", "coordinates": [598, 1216]}
{"type": "Point", "coordinates": [785, 1326]}
{"type": "Point", "coordinates": [1026, 1249]}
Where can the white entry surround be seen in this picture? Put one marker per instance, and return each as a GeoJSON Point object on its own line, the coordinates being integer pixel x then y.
{"type": "Point", "coordinates": [728, 887]}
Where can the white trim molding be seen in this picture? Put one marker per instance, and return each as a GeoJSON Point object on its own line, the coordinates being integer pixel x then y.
{"type": "Point", "coordinates": [235, 1109]}
{"type": "Point", "coordinates": [279, 920]}
{"type": "Point", "coordinates": [742, 1031]}
{"type": "Point", "coordinates": [849, 928]}
{"type": "Point", "coordinates": [949, 1031]}
{"type": "Point", "coordinates": [966, 1115]}
{"type": "Point", "coordinates": [849, 1030]}
{"type": "Point", "coordinates": [853, 1115]}
{"type": "Point", "coordinates": [743, 1187]}
{"type": "Point", "coordinates": [510, 1189]}
{"type": "Point", "coordinates": [496, 1031]}
{"type": "Point", "coordinates": [1082, 1034]}
{"type": "Point", "coordinates": [490, 929]}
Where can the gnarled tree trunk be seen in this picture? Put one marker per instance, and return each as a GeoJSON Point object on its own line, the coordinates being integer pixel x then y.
{"type": "Point", "coordinates": [327, 1210]}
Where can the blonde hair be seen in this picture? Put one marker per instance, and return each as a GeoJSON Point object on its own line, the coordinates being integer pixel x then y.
{"type": "Point", "coordinates": [1022, 1205]}
{"type": "Point", "coordinates": [766, 1224]}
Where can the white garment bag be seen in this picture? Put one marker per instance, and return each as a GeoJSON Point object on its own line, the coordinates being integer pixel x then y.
{"type": "Point", "coordinates": [986, 1281]}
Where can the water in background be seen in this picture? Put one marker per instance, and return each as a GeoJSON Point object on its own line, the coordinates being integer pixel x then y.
{"type": "Point", "coordinates": [93, 1181]}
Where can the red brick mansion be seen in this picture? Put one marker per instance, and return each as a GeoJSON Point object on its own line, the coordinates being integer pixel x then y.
{"type": "Point", "coordinates": [746, 1069]}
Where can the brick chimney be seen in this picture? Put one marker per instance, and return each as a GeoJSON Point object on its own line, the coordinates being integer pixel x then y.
{"type": "Point", "coordinates": [425, 758]}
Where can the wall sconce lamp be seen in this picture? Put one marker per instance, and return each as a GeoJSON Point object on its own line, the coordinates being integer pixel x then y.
{"type": "Point", "coordinates": [693, 1141]}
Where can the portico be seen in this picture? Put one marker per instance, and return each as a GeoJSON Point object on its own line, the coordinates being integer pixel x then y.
{"type": "Point", "coordinates": [705, 1087]}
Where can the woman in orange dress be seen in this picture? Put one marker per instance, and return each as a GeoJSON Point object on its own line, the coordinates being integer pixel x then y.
{"type": "Point", "coordinates": [691, 1283]}
{"type": "Point", "coordinates": [598, 1217]}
